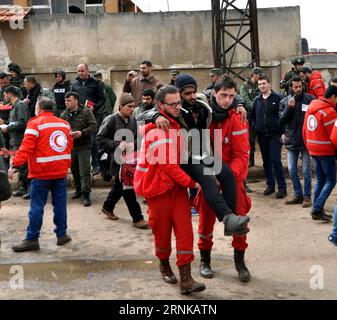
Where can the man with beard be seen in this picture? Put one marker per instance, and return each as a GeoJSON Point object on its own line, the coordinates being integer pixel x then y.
{"type": "Point", "coordinates": [197, 115]}
{"type": "Point", "coordinates": [298, 63]}
{"type": "Point", "coordinates": [146, 104]}
{"type": "Point", "coordinates": [60, 88]}
{"type": "Point", "coordinates": [314, 82]}
{"type": "Point", "coordinates": [292, 113]}
{"type": "Point", "coordinates": [146, 81]}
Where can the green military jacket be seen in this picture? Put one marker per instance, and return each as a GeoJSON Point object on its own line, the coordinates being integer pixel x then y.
{"type": "Point", "coordinates": [110, 99]}
{"type": "Point", "coordinates": [2, 140]}
{"type": "Point", "coordinates": [18, 119]}
{"type": "Point", "coordinates": [18, 82]}
{"type": "Point", "coordinates": [249, 92]}
{"type": "Point", "coordinates": [285, 83]}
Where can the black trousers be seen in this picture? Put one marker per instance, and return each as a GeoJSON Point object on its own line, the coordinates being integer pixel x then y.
{"type": "Point", "coordinates": [222, 203]}
{"type": "Point", "coordinates": [116, 193]}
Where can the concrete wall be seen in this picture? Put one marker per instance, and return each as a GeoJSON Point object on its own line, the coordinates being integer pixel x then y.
{"type": "Point", "coordinates": [118, 42]}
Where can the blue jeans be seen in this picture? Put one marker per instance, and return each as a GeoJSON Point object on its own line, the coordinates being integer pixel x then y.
{"type": "Point", "coordinates": [334, 227]}
{"type": "Point", "coordinates": [325, 168]}
{"type": "Point", "coordinates": [306, 171]}
{"type": "Point", "coordinates": [271, 147]}
{"type": "Point", "coordinates": [39, 190]}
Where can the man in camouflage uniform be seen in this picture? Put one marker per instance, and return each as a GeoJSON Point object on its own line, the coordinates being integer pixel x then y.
{"type": "Point", "coordinates": [18, 118]}
{"type": "Point", "coordinates": [297, 62]}
{"type": "Point", "coordinates": [110, 96]}
{"type": "Point", "coordinates": [249, 91]}
{"type": "Point", "coordinates": [16, 78]}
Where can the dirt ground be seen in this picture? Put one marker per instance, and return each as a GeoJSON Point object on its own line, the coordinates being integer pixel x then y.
{"type": "Point", "coordinates": [113, 260]}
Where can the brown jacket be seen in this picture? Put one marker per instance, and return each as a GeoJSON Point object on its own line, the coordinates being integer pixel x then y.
{"type": "Point", "coordinates": [139, 84]}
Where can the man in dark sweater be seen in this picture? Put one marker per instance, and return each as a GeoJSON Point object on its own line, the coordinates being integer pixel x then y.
{"type": "Point", "coordinates": [266, 122]}
{"type": "Point", "coordinates": [91, 95]}
{"type": "Point", "coordinates": [83, 125]}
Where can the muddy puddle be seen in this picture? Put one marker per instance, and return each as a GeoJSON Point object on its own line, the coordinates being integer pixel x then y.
{"type": "Point", "coordinates": [73, 270]}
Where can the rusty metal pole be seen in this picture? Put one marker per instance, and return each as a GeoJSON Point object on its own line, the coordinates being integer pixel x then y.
{"type": "Point", "coordinates": [254, 37]}
{"type": "Point", "coordinates": [216, 32]}
{"type": "Point", "coordinates": [233, 25]}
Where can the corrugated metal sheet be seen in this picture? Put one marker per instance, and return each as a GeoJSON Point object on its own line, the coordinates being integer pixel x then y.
{"type": "Point", "coordinates": [6, 15]}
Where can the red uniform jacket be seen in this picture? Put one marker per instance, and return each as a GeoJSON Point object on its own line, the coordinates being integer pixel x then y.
{"type": "Point", "coordinates": [47, 146]}
{"type": "Point", "coordinates": [334, 134]}
{"type": "Point", "coordinates": [158, 168]}
{"type": "Point", "coordinates": [316, 85]}
{"type": "Point", "coordinates": [233, 143]}
{"type": "Point", "coordinates": [318, 124]}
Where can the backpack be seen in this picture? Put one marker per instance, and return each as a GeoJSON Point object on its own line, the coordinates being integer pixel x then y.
{"type": "Point", "coordinates": [127, 170]}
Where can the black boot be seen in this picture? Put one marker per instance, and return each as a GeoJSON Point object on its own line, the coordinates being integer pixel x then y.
{"type": "Point", "coordinates": [86, 199]}
{"type": "Point", "coordinates": [240, 266]}
{"type": "Point", "coordinates": [205, 264]}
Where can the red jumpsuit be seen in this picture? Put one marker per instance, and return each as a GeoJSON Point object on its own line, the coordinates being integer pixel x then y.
{"type": "Point", "coordinates": [230, 139]}
{"type": "Point", "coordinates": [316, 85]}
{"type": "Point", "coordinates": [161, 181]}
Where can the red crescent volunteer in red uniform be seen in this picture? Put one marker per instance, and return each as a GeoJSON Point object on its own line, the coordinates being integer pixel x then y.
{"type": "Point", "coordinates": [161, 181]}
{"type": "Point", "coordinates": [230, 139]}
{"type": "Point", "coordinates": [47, 146]}
{"type": "Point", "coordinates": [317, 129]}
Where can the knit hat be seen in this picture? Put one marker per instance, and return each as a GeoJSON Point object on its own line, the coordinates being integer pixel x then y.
{"type": "Point", "coordinates": [184, 81]}
{"type": "Point", "coordinates": [126, 98]}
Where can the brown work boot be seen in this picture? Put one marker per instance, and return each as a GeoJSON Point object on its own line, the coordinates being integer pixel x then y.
{"type": "Point", "coordinates": [295, 200]}
{"type": "Point", "coordinates": [307, 203]}
{"type": "Point", "coordinates": [27, 245]}
{"type": "Point", "coordinates": [187, 283]}
{"type": "Point", "coordinates": [142, 224]}
{"type": "Point", "coordinates": [110, 215]}
{"type": "Point", "coordinates": [166, 272]}
{"type": "Point", "coordinates": [61, 241]}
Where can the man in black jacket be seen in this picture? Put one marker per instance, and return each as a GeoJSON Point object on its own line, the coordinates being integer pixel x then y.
{"type": "Point", "coordinates": [35, 91]}
{"type": "Point", "coordinates": [91, 95]}
{"type": "Point", "coordinates": [266, 122]}
{"type": "Point", "coordinates": [107, 141]}
{"type": "Point", "coordinates": [197, 115]}
{"type": "Point", "coordinates": [292, 113]}
{"type": "Point", "coordinates": [83, 125]}
{"type": "Point", "coordinates": [60, 88]}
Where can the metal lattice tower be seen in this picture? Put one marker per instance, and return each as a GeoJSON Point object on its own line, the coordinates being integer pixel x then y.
{"type": "Point", "coordinates": [237, 26]}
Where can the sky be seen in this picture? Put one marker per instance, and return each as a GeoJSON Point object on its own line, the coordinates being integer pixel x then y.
{"type": "Point", "coordinates": [317, 18]}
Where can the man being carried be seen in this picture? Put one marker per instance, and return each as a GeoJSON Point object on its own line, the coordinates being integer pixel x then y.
{"type": "Point", "coordinates": [196, 114]}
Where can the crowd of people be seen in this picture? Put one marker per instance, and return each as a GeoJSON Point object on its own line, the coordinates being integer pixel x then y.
{"type": "Point", "coordinates": [183, 150]}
